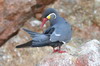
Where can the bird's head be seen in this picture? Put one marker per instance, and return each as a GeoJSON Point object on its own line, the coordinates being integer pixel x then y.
{"type": "Point", "coordinates": [49, 14]}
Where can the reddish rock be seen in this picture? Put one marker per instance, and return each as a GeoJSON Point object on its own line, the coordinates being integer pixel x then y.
{"type": "Point", "coordinates": [81, 61]}
{"type": "Point", "coordinates": [16, 13]}
{"type": "Point", "coordinates": [57, 60]}
{"type": "Point", "coordinates": [87, 55]}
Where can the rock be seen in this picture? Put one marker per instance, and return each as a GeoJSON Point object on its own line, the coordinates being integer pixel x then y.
{"type": "Point", "coordinates": [89, 54]}
{"type": "Point", "coordinates": [86, 55]}
{"type": "Point", "coordinates": [97, 12]}
{"type": "Point", "coordinates": [57, 60]}
{"type": "Point", "coordinates": [11, 56]}
{"type": "Point", "coordinates": [73, 9]}
{"type": "Point", "coordinates": [15, 14]}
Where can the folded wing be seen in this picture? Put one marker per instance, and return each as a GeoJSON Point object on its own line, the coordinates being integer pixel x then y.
{"type": "Point", "coordinates": [38, 39]}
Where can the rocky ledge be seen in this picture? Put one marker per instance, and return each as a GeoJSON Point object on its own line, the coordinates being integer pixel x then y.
{"type": "Point", "coordinates": [86, 55]}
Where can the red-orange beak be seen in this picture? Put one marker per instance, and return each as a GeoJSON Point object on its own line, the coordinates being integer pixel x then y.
{"type": "Point", "coordinates": [43, 22]}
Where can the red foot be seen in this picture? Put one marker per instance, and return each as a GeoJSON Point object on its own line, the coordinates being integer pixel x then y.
{"type": "Point", "coordinates": [55, 50]}
{"type": "Point", "coordinates": [61, 51]}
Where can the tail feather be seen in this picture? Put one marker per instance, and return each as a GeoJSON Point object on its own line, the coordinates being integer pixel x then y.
{"type": "Point", "coordinates": [30, 32]}
{"type": "Point", "coordinates": [28, 44]}
{"type": "Point", "coordinates": [40, 44]}
{"type": "Point", "coordinates": [34, 44]}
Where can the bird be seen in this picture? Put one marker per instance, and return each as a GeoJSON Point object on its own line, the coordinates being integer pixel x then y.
{"type": "Point", "coordinates": [58, 33]}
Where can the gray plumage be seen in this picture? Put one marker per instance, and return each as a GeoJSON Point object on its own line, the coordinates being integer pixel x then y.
{"type": "Point", "coordinates": [59, 32]}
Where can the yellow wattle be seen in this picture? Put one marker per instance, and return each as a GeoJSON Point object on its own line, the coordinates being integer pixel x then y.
{"type": "Point", "coordinates": [48, 17]}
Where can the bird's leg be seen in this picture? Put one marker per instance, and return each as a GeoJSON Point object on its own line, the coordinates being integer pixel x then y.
{"type": "Point", "coordinates": [55, 50]}
{"type": "Point", "coordinates": [59, 51]}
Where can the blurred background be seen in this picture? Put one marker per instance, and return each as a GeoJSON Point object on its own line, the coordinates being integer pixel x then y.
{"type": "Point", "coordinates": [83, 15]}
